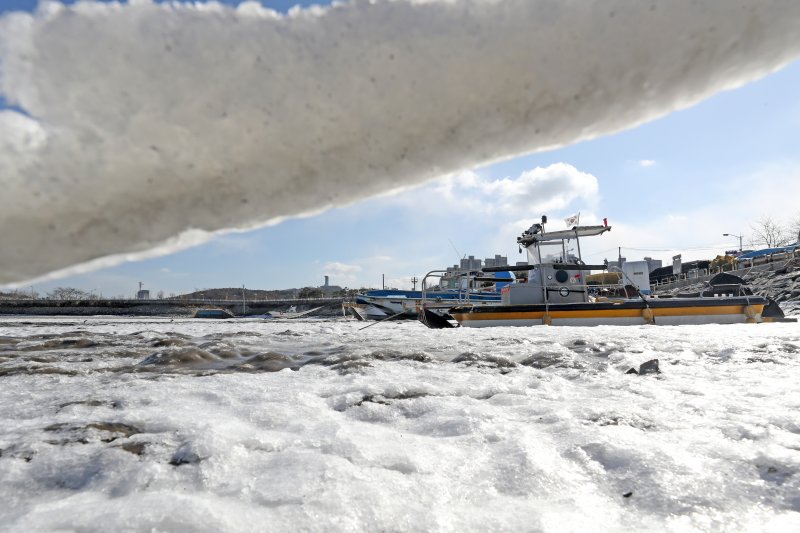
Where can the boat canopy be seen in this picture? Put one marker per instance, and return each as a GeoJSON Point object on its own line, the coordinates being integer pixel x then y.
{"type": "Point", "coordinates": [534, 234]}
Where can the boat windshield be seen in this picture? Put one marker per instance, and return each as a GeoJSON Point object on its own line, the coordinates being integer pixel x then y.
{"type": "Point", "coordinates": [551, 252]}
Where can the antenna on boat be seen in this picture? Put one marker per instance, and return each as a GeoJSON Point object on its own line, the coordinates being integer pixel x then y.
{"type": "Point", "coordinates": [454, 248]}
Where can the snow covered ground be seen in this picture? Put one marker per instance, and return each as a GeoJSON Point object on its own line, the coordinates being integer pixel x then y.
{"type": "Point", "coordinates": [316, 425]}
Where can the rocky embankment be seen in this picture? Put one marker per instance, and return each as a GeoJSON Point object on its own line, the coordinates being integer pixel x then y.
{"type": "Point", "coordinates": [782, 285]}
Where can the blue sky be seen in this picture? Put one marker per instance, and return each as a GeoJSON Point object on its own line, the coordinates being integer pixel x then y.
{"type": "Point", "coordinates": [671, 186]}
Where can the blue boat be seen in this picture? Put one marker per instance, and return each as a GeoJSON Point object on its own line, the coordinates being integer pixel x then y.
{"type": "Point", "coordinates": [213, 313]}
{"type": "Point", "coordinates": [387, 303]}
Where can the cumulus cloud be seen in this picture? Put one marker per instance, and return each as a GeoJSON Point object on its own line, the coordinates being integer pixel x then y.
{"type": "Point", "coordinates": [646, 162]}
{"type": "Point", "coordinates": [539, 190]}
{"type": "Point", "coordinates": [341, 273]}
{"type": "Point", "coordinates": [145, 121]}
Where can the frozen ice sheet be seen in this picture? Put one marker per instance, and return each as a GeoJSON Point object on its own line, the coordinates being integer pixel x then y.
{"type": "Point", "coordinates": [315, 425]}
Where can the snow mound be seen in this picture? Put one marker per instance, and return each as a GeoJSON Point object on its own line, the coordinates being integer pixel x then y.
{"type": "Point", "coordinates": [141, 128]}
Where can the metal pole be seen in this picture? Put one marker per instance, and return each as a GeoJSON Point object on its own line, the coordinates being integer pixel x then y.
{"type": "Point", "coordinates": [582, 274]}
{"type": "Point", "coordinates": [740, 236]}
{"type": "Point", "coordinates": [542, 279]}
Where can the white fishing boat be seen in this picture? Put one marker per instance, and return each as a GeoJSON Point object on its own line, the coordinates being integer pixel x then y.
{"type": "Point", "coordinates": [557, 293]}
{"type": "Point", "coordinates": [291, 312]}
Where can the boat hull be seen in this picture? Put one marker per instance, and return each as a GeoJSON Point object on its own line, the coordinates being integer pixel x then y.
{"type": "Point", "coordinates": [219, 314]}
{"type": "Point", "coordinates": [670, 312]}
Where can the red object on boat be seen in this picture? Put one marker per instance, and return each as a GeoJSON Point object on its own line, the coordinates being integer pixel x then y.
{"type": "Point", "coordinates": [605, 222]}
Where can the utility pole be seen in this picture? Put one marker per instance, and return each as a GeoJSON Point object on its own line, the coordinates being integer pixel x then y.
{"type": "Point", "coordinates": [414, 280]}
{"type": "Point", "coordinates": [244, 308]}
{"type": "Point", "coordinates": [383, 281]}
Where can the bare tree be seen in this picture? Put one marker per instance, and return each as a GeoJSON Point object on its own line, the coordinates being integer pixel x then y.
{"type": "Point", "coordinates": [67, 293]}
{"type": "Point", "coordinates": [794, 228]}
{"type": "Point", "coordinates": [768, 233]}
{"type": "Point", "coordinates": [160, 295]}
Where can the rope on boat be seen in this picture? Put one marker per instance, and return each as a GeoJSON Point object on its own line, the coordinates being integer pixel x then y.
{"type": "Point", "coordinates": [383, 320]}
{"type": "Point", "coordinates": [648, 314]}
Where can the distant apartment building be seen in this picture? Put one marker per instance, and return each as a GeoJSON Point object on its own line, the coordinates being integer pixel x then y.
{"type": "Point", "coordinates": [470, 264]}
{"type": "Point", "coordinates": [496, 261]}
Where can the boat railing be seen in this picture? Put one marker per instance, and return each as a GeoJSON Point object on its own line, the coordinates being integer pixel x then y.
{"type": "Point", "coordinates": [466, 290]}
{"type": "Point", "coordinates": [601, 292]}
{"type": "Point", "coordinates": [460, 293]}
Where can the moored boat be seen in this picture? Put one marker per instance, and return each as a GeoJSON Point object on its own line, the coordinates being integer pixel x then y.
{"type": "Point", "coordinates": [557, 293]}
{"type": "Point", "coordinates": [381, 304]}
{"type": "Point", "coordinates": [213, 312]}
{"type": "Point", "coordinates": [291, 313]}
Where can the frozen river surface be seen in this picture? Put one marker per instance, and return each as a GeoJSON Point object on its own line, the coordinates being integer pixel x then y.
{"type": "Point", "coordinates": [143, 424]}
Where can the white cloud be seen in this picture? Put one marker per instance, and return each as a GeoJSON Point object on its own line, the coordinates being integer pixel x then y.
{"type": "Point", "coordinates": [150, 120]}
{"type": "Point", "coordinates": [697, 233]}
{"type": "Point", "coordinates": [646, 163]}
{"type": "Point", "coordinates": [540, 190]}
{"type": "Point", "coordinates": [341, 273]}
{"type": "Point", "coordinates": [543, 189]}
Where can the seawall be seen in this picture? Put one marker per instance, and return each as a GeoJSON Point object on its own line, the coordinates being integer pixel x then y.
{"type": "Point", "coordinates": [184, 308]}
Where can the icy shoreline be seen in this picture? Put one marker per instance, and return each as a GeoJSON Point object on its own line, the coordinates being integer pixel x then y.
{"type": "Point", "coordinates": [396, 427]}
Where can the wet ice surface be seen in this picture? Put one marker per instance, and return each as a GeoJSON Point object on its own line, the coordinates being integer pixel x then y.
{"type": "Point", "coordinates": [315, 425]}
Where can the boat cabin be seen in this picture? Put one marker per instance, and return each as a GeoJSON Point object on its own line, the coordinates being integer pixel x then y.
{"type": "Point", "coordinates": [557, 271]}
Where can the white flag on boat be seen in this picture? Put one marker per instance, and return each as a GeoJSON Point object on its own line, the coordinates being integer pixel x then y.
{"type": "Point", "coordinates": [573, 221]}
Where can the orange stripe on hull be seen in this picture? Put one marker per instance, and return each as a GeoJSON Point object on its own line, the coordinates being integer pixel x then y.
{"type": "Point", "coordinates": [608, 313]}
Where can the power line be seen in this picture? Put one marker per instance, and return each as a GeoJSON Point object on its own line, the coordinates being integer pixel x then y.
{"type": "Point", "coordinates": [680, 249]}
{"type": "Point", "coordinates": [676, 249]}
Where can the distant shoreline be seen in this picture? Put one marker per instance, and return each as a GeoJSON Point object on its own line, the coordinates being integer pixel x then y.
{"type": "Point", "coordinates": [166, 307]}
